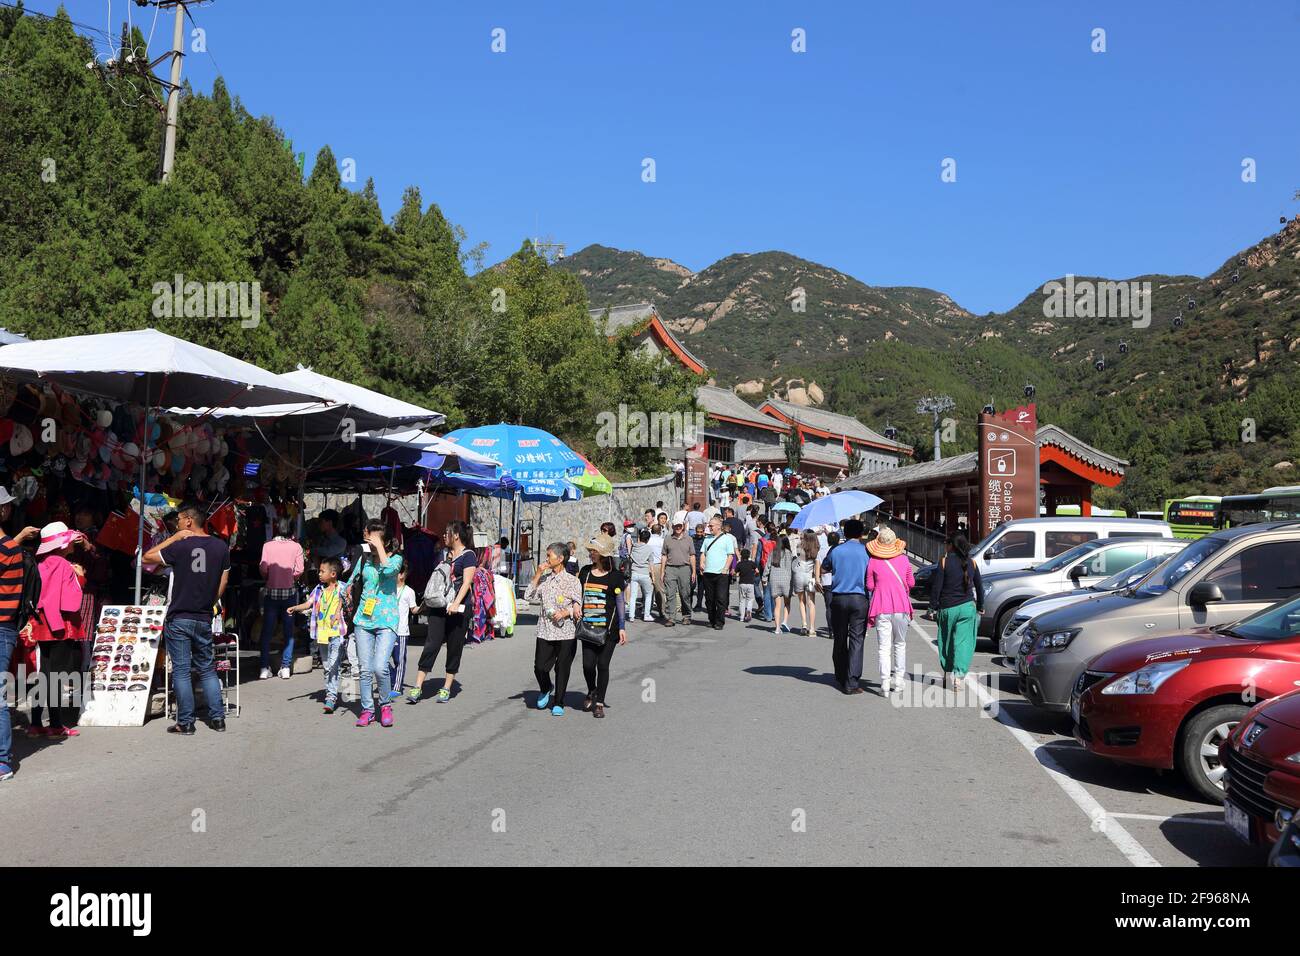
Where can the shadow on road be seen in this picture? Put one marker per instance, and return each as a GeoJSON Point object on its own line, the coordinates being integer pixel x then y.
{"type": "Point", "coordinates": [806, 674]}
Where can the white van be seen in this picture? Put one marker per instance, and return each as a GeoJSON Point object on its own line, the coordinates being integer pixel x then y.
{"type": "Point", "coordinates": [1028, 541]}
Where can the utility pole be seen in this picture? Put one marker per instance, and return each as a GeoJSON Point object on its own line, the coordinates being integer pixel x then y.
{"type": "Point", "coordinates": [174, 87]}
{"type": "Point", "coordinates": [171, 107]}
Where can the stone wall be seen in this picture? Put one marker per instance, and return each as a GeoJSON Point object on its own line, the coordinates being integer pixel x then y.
{"type": "Point", "coordinates": [578, 520]}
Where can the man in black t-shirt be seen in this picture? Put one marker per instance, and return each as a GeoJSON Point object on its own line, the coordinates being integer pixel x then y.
{"type": "Point", "coordinates": [200, 569]}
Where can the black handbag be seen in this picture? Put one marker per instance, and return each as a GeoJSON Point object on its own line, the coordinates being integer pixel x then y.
{"type": "Point", "coordinates": [590, 634]}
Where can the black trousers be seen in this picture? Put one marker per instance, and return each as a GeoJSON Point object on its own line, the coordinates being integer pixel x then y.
{"type": "Point", "coordinates": [446, 629]}
{"type": "Point", "coordinates": [849, 629]}
{"type": "Point", "coordinates": [59, 659]}
{"type": "Point", "coordinates": [699, 590]}
{"type": "Point", "coordinates": [595, 666]}
{"type": "Point", "coordinates": [557, 656]}
{"type": "Point", "coordinates": [717, 595]}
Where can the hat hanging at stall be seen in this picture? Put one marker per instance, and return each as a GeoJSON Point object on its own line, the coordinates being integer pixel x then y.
{"type": "Point", "coordinates": [886, 544]}
{"type": "Point", "coordinates": [21, 442]}
{"type": "Point", "coordinates": [5, 497]}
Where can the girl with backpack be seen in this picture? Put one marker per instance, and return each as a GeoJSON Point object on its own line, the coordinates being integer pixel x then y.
{"type": "Point", "coordinates": [956, 591]}
{"type": "Point", "coordinates": [447, 613]}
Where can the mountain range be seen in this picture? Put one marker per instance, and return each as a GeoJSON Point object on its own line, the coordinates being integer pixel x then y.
{"type": "Point", "coordinates": [1200, 396]}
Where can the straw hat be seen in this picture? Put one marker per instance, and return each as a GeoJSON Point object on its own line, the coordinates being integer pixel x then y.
{"type": "Point", "coordinates": [886, 544]}
{"type": "Point", "coordinates": [603, 544]}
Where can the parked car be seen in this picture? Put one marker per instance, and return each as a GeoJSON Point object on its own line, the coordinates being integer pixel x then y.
{"type": "Point", "coordinates": [1223, 577]}
{"type": "Point", "coordinates": [1262, 757]}
{"type": "Point", "coordinates": [1169, 702]}
{"type": "Point", "coordinates": [1005, 591]}
{"type": "Point", "coordinates": [1014, 632]}
{"type": "Point", "coordinates": [1019, 544]}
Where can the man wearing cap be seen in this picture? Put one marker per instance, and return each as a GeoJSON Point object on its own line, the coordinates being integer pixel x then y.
{"type": "Point", "coordinates": [847, 564]}
{"type": "Point", "coordinates": [677, 571]}
{"type": "Point", "coordinates": [11, 592]}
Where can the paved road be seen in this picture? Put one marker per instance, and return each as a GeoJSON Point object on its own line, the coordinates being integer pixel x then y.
{"type": "Point", "coordinates": [719, 747]}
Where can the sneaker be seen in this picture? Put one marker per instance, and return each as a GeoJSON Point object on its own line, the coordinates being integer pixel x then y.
{"type": "Point", "coordinates": [648, 620]}
{"type": "Point", "coordinates": [413, 695]}
{"type": "Point", "coordinates": [265, 674]}
{"type": "Point", "coordinates": [444, 695]}
{"type": "Point", "coordinates": [557, 711]}
{"type": "Point", "coordinates": [6, 772]}
{"type": "Point", "coordinates": [64, 732]}
{"type": "Point", "coordinates": [285, 673]}
{"type": "Point", "coordinates": [366, 719]}
{"type": "Point", "coordinates": [330, 706]}
{"type": "Point", "coordinates": [185, 730]}
{"type": "Point", "coordinates": [386, 715]}
{"type": "Point", "coordinates": [394, 695]}
{"type": "Point", "coordinates": [544, 701]}
{"type": "Point", "coordinates": [884, 687]}
{"type": "Point", "coordinates": [37, 732]}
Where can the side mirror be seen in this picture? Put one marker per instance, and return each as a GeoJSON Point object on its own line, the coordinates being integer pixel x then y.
{"type": "Point", "coordinates": [987, 556]}
{"type": "Point", "coordinates": [1203, 593]}
{"type": "Point", "coordinates": [1078, 571]}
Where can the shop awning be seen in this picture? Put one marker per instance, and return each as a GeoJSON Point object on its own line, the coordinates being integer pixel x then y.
{"type": "Point", "coordinates": [150, 368]}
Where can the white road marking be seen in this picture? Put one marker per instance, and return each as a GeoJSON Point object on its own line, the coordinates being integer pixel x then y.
{"type": "Point", "coordinates": [1107, 823]}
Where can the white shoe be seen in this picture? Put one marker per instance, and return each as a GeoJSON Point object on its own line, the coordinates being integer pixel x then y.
{"type": "Point", "coordinates": [284, 673]}
{"type": "Point", "coordinates": [265, 674]}
{"type": "Point", "coordinates": [648, 620]}
{"type": "Point", "coordinates": [884, 685]}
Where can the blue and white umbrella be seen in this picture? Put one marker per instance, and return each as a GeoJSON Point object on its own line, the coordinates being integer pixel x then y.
{"type": "Point", "coordinates": [522, 453]}
{"type": "Point", "coordinates": [834, 508]}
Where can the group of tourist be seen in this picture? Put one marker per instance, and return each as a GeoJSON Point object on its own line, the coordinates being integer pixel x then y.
{"type": "Point", "coordinates": [359, 606]}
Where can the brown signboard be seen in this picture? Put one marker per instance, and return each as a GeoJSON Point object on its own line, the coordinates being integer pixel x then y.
{"type": "Point", "coordinates": [697, 476]}
{"type": "Point", "coordinates": [1008, 450]}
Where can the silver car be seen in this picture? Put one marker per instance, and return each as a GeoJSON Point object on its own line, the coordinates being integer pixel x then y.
{"type": "Point", "coordinates": [1220, 578]}
{"type": "Point", "coordinates": [1084, 564]}
{"type": "Point", "coordinates": [1009, 643]}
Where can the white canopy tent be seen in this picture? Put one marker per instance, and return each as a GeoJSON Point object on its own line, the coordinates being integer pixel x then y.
{"type": "Point", "coordinates": [147, 368]}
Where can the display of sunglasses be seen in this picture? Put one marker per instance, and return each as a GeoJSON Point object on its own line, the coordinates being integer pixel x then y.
{"type": "Point", "coordinates": [112, 611]}
{"type": "Point", "coordinates": [138, 687]}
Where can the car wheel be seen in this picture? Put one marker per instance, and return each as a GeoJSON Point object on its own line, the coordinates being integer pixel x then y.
{"type": "Point", "coordinates": [1004, 618]}
{"type": "Point", "coordinates": [1198, 748]}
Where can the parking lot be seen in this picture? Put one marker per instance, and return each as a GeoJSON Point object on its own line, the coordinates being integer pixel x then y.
{"type": "Point", "coordinates": [1152, 818]}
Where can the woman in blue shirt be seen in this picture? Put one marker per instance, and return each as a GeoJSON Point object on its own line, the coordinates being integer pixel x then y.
{"type": "Point", "coordinates": [375, 621]}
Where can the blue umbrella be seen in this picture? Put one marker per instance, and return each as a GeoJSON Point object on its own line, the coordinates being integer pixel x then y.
{"type": "Point", "coordinates": [834, 508]}
{"type": "Point", "coordinates": [522, 453]}
{"type": "Point", "coordinates": [786, 506]}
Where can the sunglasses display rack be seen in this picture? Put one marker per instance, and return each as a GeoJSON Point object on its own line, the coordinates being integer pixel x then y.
{"type": "Point", "coordinates": [225, 658]}
{"type": "Point", "coordinates": [125, 650]}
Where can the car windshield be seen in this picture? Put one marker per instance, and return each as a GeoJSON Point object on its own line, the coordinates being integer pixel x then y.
{"type": "Point", "coordinates": [1181, 566]}
{"type": "Point", "coordinates": [1130, 576]}
{"type": "Point", "coordinates": [1065, 558]}
{"type": "Point", "coordinates": [1276, 623]}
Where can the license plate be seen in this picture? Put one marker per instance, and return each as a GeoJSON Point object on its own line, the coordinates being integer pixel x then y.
{"type": "Point", "coordinates": [1074, 709]}
{"type": "Point", "coordinates": [1238, 820]}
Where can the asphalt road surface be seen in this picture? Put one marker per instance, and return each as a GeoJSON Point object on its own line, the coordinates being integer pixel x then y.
{"type": "Point", "coordinates": [719, 747]}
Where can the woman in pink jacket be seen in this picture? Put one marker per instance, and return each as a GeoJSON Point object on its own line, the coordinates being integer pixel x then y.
{"type": "Point", "coordinates": [889, 579]}
{"type": "Point", "coordinates": [58, 628]}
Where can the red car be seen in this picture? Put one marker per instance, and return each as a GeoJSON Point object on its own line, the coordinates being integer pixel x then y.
{"type": "Point", "coordinates": [1262, 756]}
{"type": "Point", "coordinates": [1171, 701]}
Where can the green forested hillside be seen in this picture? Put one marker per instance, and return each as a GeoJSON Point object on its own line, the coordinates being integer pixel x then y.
{"type": "Point", "coordinates": [86, 230]}
{"type": "Point", "coordinates": [1205, 399]}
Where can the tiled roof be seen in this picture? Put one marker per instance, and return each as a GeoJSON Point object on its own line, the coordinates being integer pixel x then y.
{"type": "Point", "coordinates": [1055, 435]}
{"type": "Point", "coordinates": [724, 402]}
{"type": "Point", "coordinates": [958, 466]}
{"type": "Point", "coordinates": [630, 316]}
{"type": "Point", "coordinates": [833, 422]}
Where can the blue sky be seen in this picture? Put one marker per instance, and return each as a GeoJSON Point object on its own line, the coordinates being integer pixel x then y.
{"type": "Point", "coordinates": [1115, 163]}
